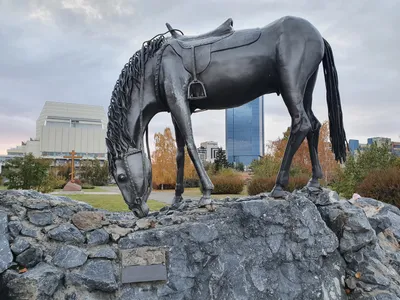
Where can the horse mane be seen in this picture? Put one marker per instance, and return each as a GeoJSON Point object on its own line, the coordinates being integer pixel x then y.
{"type": "Point", "coordinates": [118, 138]}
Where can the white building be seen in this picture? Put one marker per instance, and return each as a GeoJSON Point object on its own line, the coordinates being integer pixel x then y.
{"type": "Point", "coordinates": [208, 151]}
{"type": "Point", "coordinates": [63, 127]}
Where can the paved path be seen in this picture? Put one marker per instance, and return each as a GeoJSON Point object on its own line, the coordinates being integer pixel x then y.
{"type": "Point", "coordinates": [161, 196]}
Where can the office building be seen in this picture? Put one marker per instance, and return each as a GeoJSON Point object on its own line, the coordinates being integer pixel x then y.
{"type": "Point", "coordinates": [244, 132]}
{"type": "Point", "coordinates": [63, 127]}
{"type": "Point", "coordinates": [207, 151]}
{"type": "Point", "coordinates": [355, 145]}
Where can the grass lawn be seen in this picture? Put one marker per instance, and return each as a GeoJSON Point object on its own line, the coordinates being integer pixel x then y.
{"type": "Point", "coordinates": [2, 187]}
{"type": "Point", "coordinates": [111, 202]}
{"type": "Point", "coordinates": [96, 189]}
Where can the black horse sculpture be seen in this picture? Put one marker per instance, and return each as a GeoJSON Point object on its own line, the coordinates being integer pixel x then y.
{"type": "Point", "coordinates": [221, 69]}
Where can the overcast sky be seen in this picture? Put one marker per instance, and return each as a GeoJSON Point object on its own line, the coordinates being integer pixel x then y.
{"type": "Point", "coordinates": [74, 50]}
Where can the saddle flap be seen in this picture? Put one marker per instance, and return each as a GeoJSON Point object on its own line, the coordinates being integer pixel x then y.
{"type": "Point", "coordinates": [202, 57]}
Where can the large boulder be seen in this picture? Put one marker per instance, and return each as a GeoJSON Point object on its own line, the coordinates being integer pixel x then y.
{"type": "Point", "coordinates": [310, 245]}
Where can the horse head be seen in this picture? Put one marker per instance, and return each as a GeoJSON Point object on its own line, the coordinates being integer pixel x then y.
{"type": "Point", "coordinates": [132, 173]}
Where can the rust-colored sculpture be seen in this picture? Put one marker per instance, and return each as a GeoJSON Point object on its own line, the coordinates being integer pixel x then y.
{"type": "Point", "coordinates": [221, 69]}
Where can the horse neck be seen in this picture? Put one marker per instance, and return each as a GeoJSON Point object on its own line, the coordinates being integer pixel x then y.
{"type": "Point", "coordinates": [141, 113]}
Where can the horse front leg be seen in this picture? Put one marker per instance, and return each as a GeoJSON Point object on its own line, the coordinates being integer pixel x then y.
{"type": "Point", "coordinates": [180, 164]}
{"type": "Point", "coordinates": [181, 115]}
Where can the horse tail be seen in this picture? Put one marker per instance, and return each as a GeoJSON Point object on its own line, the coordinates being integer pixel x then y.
{"type": "Point", "coordinates": [336, 128]}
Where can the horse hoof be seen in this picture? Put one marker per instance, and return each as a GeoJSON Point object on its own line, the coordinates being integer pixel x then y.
{"type": "Point", "coordinates": [277, 192]}
{"type": "Point", "coordinates": [204, 201]}
{"type": "Point", "coordinates": [177, 200]}
{"type": "Point", "coordinates": [313, 183]}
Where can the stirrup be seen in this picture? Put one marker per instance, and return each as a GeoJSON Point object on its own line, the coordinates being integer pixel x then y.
{"type": "Point", "coordinates": [196, 90]}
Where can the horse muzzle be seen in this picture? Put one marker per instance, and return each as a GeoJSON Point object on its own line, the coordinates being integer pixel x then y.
{"type": "Point", "coordinates": [140, 210]}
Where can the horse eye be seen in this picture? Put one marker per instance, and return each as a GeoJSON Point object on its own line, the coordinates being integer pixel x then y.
{"type": "Point", "coordinates": [122, 178]}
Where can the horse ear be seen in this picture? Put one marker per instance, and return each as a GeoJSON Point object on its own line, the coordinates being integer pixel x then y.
{"type": "Point", "coordinates": [171, 30]}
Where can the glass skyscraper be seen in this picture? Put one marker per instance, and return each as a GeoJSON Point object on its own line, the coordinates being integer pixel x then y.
{"type": "Point", "coordinates": [244, 132]}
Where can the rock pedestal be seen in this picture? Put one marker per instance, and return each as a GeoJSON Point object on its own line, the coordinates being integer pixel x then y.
{"type": "Point", "coordinates": [308, 246]}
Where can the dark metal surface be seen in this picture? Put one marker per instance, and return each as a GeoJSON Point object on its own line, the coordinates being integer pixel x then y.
{"type": "Point", "coordinates": [232, 67]}
{"type": "Point", "coordinates": [133, 274]}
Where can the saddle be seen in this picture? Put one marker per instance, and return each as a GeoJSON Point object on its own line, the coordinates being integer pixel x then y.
{"type": "Point", "coordinates": [195, 51]}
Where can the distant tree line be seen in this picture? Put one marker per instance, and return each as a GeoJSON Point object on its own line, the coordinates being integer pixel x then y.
{"type": "Point", "coordinates": [29, 172]}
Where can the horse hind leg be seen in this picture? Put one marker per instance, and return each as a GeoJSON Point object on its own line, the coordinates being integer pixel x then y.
{"type": "Point", "coordinates": [299, 129]}
{"type": "Point", "coordinates": [293, 87]}
{"type": "Point", "coordinates": [313, 135]}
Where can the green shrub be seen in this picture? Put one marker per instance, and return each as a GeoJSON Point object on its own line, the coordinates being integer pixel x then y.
{"type": "Point", "coordinates": [297, 182]}
{"type": "Point", "coordinates": [227, 184]}
{"type": "Point", "coordinates": [191, 182]}
{"type": "Point", "coordinates": [227, 181]}
{"type": "Point", "coordinates": [259, 185]}
{"type": "Point", "coordinates": [356, 169]}
{"type": "Point", "coordinates": [51, 182]}
{"type": "Point", "coordinates": [92, 172]}
{"type": "Point", "coordinates": [382, 185]}
{"type": "Point", "coordinates": [27, 172]}
{"type": "Point", "coordinates": [87, 186]}
{"type": "Point", "coordinates": [78, 181]}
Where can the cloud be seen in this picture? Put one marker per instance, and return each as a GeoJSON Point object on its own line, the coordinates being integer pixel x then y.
{"type": "Point", "coordinates": [74, 50]}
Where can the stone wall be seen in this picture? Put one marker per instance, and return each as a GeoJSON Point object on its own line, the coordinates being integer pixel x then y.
{"type": "Point", "coordinates": [309, 246]}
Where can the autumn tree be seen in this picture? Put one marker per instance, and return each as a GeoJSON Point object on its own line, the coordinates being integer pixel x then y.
{"type": "Point", "coordinates": [190, 171]}
{"type": "Point", "coordinates": [301, 163]}
{"type": "Point", "coordinates": [164, 159]}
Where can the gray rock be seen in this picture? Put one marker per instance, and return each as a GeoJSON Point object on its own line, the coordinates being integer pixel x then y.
{"type": "Point", "coordinates": [19, 210]}
{"type": "Point", "coordinates": [30, 258]}
{"type": "Point", "coordinates": [27, 231]}
{"type": "Point", "coordinates": [66, 233]}
{"type": "Point", "coordinates": [63, 211]}
{"type": "Point", "coordinates": [3, 223]}
{"type": "Point", "coordinates": [122, 219]}
{"type": "Point", "coordinates": [102, 252]}
{"type": "Point", "coordinates": [87, 220]}
{"type": "Point", "coordinates": [40, 218]}
{"type": "Point", "coordinates": [380, 215]}
{"type": "Point", "coordinates": [116, 231]}
{"type": "Point", "coordinates": [95, 275]}
{"type": "Point", "coordinates": [97, 237]}
{"type": "Point", "coordinates": [350, 224]}
{"type": "Point", "coordinates": [38, 204]}
{"type": "Point", "coordinates": [14, 228]}
{"type": "Point", "coordinates": [38, 283]}
{"type": "Point", "coordinates": [143, 223]}
{"type": "Point", "coordinates": [19, 245]}
{"type": "Point", "coordinates": [6, 256]}
{"type": "Point", "coordinates": [69, 257]}
{"type": "Point", "coordinates": [218, 255]}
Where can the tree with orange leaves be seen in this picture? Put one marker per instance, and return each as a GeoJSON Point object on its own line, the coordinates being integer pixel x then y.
{"type": "Point", "coordinates": [164, 160]}
{"type": "Point", "coordinates": [301, 162]}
